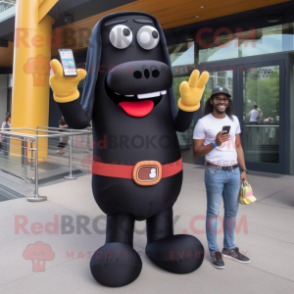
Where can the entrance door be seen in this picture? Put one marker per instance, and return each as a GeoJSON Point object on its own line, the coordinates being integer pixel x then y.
{"type": "Point", "coordinates": [257, 85]}
{"type": "Point", "coordinates": [263, 98]}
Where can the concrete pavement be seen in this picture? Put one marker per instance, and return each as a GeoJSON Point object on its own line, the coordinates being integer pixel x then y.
{"type": "Point", "coordinates": [266, 236]}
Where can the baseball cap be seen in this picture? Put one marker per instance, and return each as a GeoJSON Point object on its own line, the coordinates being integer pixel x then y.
{"type": "Point", "coordinates": [220, 90]}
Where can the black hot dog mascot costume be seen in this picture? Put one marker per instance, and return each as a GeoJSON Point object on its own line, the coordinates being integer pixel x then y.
{"type": "Point", "coordinates": [137, 165]}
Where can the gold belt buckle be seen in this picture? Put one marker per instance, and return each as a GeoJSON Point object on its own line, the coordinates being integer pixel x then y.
{"type": "Point", "coordinates": [147, 173]}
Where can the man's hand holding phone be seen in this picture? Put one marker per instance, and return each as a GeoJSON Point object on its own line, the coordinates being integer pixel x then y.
{"type": "Point", "coordinates": [222, 137]}
{"type": "Point", "coordinates": [65, 88]}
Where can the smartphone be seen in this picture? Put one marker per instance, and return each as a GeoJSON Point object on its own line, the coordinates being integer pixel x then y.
{"type": "Point", "coordinates": [68, 62]}
{"type": "Point", "coordinates": [227, 129]}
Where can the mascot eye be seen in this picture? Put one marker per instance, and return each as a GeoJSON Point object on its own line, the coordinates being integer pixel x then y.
{"type": "Point", "coordinates": [121, 36]}
{"type": "Point", "coordinates": [148, 37]}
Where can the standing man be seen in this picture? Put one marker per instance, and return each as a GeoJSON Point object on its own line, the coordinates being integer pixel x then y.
{"type": "Point", "coordinates": [222, 153]}
{"type": "Point", "coordinates": [5, 140]}
{"type": "Point", "coordinates": [254, 114]}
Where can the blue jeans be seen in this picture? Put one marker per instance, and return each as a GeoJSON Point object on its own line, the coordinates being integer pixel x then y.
{"type": "Point", "coordinates": [5, 145]}
{"type": "Point", "coordinates": [227, 184]}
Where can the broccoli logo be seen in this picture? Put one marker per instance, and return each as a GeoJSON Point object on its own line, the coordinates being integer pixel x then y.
{"type": "Point", "coordinates": [39, 253]}
{"type": "Point", "coordinates": [39, 67]}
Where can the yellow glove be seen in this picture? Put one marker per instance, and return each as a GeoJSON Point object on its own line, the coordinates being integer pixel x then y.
{"type": "Point", "coordinates": [65, 88]}
{"type": "Point", "coordinates": [191, 92]}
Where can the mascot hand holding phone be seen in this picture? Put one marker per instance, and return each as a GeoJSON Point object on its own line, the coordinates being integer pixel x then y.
{"type": "Point", "coordinates": [137, 171]}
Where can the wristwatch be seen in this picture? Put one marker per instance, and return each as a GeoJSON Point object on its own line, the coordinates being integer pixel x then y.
{"type": "Point", "coordinates": [244, 170]}
{"type": "Point", "coordinates": [214, 144]}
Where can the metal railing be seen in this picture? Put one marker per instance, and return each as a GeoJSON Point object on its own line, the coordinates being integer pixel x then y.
{"type": "Point", "coordinates": [6, 4]}
{"type": "Point", "coordinates": [262, 134]}
{"type": "Point", "coordinates": [21, 154]}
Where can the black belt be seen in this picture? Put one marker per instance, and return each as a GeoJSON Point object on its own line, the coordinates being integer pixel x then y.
{"type": "Point", "coordinates": [222, 167]}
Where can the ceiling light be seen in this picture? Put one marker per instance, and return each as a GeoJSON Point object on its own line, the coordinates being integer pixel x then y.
{"type": "Point", "coordinates": [189, 37]}
{"type": "Point", "coordinates": [273, 18]}
{"type": "Point", "coordinates": [68, 19]}
{"type": "Point", "coordinates": [202, 6]}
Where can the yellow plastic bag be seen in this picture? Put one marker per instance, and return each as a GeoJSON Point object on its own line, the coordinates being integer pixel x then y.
{"type": "Point", "coordinates": [246, 194]}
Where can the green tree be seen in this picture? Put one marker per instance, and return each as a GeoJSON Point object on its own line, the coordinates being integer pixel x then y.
{"type": "Point", "coordinates": [264, 92]}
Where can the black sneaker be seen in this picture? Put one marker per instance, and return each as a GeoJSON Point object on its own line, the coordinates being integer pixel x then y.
{"type": "Point", "coordinates": [235, 255]}
{"type": "Point", "coordinates": [217, 260]}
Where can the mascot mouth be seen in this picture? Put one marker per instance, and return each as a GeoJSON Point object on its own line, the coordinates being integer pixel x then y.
{"type": "Point", "coordinates": [137, 109]}
{"type": "Point", "coordinates": [138, 105]}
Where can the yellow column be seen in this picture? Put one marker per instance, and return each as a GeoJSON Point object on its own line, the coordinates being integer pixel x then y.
{"type": "Point", "coordinates": [31, 67]}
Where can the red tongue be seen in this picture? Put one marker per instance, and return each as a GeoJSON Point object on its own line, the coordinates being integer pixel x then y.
{"type": "Point", "coordinates": [137, 109]}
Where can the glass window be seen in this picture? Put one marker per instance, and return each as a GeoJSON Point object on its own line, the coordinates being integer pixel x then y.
{"type": "Point", "coordinates": [219, 46]}
{"type": "Point", "coordinates": [262, 114]}
{"type": "Point", "coordinates": [263, 41]}
{"type": "Point", "coordinates": [226, 51]}
{"type": "Point", "coordinates": [182, 57]}
{"type": "Point", "coordinates": [224, 44]}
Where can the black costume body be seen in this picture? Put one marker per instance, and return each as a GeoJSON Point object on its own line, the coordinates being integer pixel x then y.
{"type": "Point", "coordinates": [120, 138]}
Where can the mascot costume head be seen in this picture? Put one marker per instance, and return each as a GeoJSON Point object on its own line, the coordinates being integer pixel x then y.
{"type": "Point", "coordinates": [137, 165]}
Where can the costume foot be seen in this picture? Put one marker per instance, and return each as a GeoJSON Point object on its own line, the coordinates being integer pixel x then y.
{"type": "Point", "coordinates": [115, 265]}
{"type": "Point", "coordinates": [177, 254]}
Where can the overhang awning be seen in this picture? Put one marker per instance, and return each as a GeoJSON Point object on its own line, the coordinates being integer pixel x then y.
{"type": "Point", "coordinates": [79, 9]}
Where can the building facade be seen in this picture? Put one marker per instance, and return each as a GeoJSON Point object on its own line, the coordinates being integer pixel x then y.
{"type": "Point", "coordinates": [250, 53]}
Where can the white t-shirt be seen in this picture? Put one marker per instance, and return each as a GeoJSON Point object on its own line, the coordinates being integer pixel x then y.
{"type": "Point", "coordinates": [253, 115]}
{"type": "Point", "coordinates": [207, 128]}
